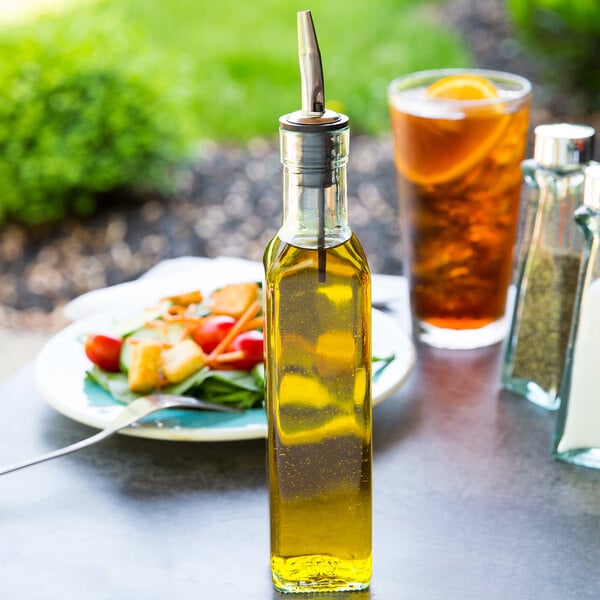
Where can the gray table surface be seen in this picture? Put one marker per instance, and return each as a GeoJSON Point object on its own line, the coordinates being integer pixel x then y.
{"type": "Point", "coordinates": [467, 502]}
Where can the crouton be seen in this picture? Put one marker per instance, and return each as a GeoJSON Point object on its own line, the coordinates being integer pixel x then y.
{"type": "Point", "coordinates": [233, 299]}
{"type": "Point", "coordinates": [144, 368]}
{"type": "Point", "coordinates": [186, 299]}
{"type": "Point", "coordinates": [182, 360]}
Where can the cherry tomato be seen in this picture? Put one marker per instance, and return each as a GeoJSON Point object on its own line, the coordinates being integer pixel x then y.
{"type": "Point", "coordinates": [210, 333]}
{"type": "Point", "coordinates": [104, 351]}
{"type": "Point", "coordinates": [252, 344]}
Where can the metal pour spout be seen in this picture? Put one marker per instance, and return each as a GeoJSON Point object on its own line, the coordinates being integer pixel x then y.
{"type": "Point", "coordinates": [311, 67]}
{"type": "Point", "coordinates": [313, 112]}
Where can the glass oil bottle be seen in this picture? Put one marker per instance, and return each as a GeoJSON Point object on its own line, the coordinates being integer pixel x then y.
{"type": "Point", "coordinates": [577, 438]}
{"type": "Point", "coordinates": [318, 356]}
{"type": "Point", "coordinates": [539, 333]}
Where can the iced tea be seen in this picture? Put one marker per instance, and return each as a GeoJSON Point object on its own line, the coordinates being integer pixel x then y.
{"type": "Point", "coordinates": [458, 163]}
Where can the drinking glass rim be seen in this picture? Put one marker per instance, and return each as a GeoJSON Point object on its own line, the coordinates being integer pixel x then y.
{"type": "Point", "coordinates": [522, 85]}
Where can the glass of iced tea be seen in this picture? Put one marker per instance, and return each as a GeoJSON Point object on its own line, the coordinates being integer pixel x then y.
{"type": "Point", "coordinates": [459, 139]}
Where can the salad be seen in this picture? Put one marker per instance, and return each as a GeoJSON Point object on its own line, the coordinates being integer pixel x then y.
{"type": "Point", "coordinates": [210, 347]}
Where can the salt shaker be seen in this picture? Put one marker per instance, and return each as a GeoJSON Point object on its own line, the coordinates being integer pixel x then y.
{"type": "Point", "coordinates": [539, 332]}
{"type": "Point", "coordinates": [577, 438]}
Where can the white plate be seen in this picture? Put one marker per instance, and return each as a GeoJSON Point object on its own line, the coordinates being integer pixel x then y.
{"type": "Point", "coordinates": [60, 377]}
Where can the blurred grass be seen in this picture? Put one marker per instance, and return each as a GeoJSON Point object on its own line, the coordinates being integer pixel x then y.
{"type": "Point", "coordinates": [234, 64]}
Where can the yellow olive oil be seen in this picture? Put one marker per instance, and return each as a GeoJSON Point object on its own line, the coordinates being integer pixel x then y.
{"type": "Point", "coordinates": [317, 355]}
{"type": "Point", "coordinates": [318, 388]}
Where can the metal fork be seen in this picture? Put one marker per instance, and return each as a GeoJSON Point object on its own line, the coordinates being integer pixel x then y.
{"type": "Point", "coordinates": [134, 411]}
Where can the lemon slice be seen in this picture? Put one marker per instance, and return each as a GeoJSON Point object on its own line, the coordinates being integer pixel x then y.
{"type": "Point", "coordinates": [462, 87]}
{"type": "Point", "coordinates": [439, 146]}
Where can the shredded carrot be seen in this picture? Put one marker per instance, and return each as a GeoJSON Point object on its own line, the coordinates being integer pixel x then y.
{"type": "Point", "coordinates": [254, 323]}
{"type": "Point", "coordinates": [229, 356]}
{"type": "Point", "coordinates": [133, 341]}
{"type": "Point", "coordinates": [249, 314]}
{"type": "Point", "coordinates": [193, 320]}
{"type": "Point", "coordinates": [158, 325]}
{"type": "Point", "coordinates": [173, 313]}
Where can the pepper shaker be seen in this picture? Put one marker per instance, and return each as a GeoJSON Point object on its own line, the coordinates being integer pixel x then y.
{"type": "Point", "coordinates": [539, 331]}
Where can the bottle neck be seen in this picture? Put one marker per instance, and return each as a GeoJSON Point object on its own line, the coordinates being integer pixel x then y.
{"type": "Point", "coordinates": [315, 213]}
{"type": "Point", "coordinates": [315, 216]}
{"type": "Point", "coordinates": [557, 192]}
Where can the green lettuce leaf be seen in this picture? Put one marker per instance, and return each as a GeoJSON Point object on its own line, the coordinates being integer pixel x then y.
{"type": "Point", "coordinates": [238, 388]}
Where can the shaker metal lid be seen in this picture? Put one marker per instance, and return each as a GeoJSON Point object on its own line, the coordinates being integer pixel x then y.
{"type": "Point", "coordinates": [591, 187]}
{"type": "Point", "coordinates": [563, 144]}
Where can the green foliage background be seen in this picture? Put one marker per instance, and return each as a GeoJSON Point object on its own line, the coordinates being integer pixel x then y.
{"type": "Point", "coordinates": [114, 93]}
{"type": "Point", "coordinates": [565, 37]}
{"type": "Point", "coordinates": [238, 60]}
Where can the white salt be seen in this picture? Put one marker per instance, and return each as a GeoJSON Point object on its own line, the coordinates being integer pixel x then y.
{"type": "Point", "coordinates": [582, 424]}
